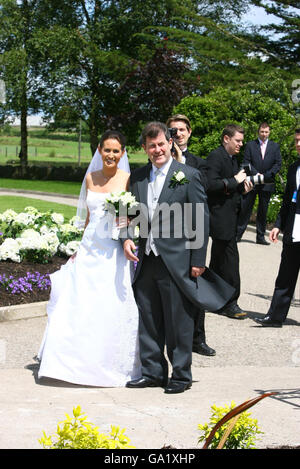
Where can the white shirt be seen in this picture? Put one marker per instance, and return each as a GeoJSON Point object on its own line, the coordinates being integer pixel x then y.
{"type": "Point", "coordinates": [296, 228]}
{"type": "Point", "coordinates": [263, 146]}
{"type": "Point", "coordinates": [153, 198]}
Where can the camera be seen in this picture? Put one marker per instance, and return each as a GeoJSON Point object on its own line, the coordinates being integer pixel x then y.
{"type": "Point", "coordinates": [246, 168]}
{"type": "Point", "coordinates": [173, 132]}
{"type": "Point", "coordinates": [256, 179]}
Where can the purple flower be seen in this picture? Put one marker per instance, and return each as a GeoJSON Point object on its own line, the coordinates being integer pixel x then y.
{"type": "Point", "coordinates": [25, 284]}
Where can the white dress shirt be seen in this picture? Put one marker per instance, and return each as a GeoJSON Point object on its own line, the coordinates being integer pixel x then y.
{"type": "Point", "coordinates": [263, 147]}
{"type": "Point", "coordinates": [296, 228]}
{"type": "Point", "coordinates": [154, 190]}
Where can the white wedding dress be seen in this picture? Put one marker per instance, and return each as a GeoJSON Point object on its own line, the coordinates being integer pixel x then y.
{"type": "Point", "coordinates": [91, 336]}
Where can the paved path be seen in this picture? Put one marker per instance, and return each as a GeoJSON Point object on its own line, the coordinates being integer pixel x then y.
{"type": "Point", "coordinates": [250, 360]}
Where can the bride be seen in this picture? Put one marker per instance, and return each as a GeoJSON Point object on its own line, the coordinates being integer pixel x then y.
{"type": "Point", "coordinates": [91, 336]}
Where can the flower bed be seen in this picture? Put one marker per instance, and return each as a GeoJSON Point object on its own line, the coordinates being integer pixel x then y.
{"type": "Point", "coordinates": [33, 245]}
{"type": "Point", "coordinates": [39, 281]}
{"type": "Point", "coordinates": [37, 237]}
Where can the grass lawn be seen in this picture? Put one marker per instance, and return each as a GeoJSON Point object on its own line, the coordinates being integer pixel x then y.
{"type": "Point", "coordinates": [50, 147]}
{"type": "Point", "coordinates": [58, 187]}
{"type": "Point", "coordinates": [19, 203]}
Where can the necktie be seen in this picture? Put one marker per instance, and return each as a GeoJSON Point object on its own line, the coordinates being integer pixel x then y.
{"type": "Point", "coordinates": [156, 185]}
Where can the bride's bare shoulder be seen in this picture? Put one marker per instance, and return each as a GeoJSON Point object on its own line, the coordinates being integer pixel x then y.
{"type": "Point", "coordinates": [92, 178]}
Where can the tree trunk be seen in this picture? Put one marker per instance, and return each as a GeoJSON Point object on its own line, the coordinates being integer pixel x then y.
{"type": "Point", "coordinates": [24, 133]}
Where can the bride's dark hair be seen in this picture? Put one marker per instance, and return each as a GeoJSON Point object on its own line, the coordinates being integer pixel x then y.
{"type": "Point", "coordinates": [113, 134]}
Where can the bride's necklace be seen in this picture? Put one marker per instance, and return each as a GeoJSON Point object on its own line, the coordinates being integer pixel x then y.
{"type": "Point", "coordinates": [106, 178]}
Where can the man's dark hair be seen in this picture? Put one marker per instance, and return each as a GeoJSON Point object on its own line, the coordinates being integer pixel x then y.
{"type": "Point", "coordinates": [153, 129]}
{"type": "Point", "coordinates": [115, 135]}
{"type": "Point", "coordinates": [230, 130]}
{"type": "Point", "coordinates": [181, 118]}
{"type": "Point", "coordinates": [263, 125]}
{"type": "Point", "coordinates": [297, 131]}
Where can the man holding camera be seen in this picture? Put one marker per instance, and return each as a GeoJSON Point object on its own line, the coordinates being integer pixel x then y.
{"type": "Point", "coordinates": [264, 158]}
{"type": "Point", "coordinates": [226, 183]}
{"type": "Point", "coordinates": [182, 124]}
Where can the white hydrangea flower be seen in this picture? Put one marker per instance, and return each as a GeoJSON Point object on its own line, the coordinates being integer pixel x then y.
{"type": "Point", "coordinates": [30, 233]}
{"type": "Point", "coordinates": [9, 215]}
{"type": "Point", "coordinates": [58, 218]}
{"type": "Point", "coordinates": [9, 250]}
{"type": "Point", "coordinates": [24, 218]}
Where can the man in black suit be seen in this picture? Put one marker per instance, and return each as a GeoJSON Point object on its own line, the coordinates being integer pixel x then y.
{"type": "Point", "coordinates": [226, 183]}
{"type": "Point", "coordinates": [264, 157]}
{"type": "Point", "coordinates": [170, 271]}
{"type": "Point", "coordinates": [184, 130]}
{"type": "Point", "coordinates": [288, 221]}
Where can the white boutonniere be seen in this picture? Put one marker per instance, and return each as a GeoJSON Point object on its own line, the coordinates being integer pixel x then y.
{"type": "Point", "coordinates": [178, 179]}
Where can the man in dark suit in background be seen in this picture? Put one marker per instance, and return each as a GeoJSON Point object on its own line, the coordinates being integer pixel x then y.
{"type": "Point", "coordinates": [264, 157]}
{"type": "Point", "coordinates": [288, 221]}
{"type": "Point", "coordinates": [226, 183]}
{"type": "Point", "coordinates": [184, 130]}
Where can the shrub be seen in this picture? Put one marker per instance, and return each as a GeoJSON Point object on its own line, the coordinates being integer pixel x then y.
{"type": "Point", "coordinates": [78, 433]}
{"type": "Point", "coordinates": [243, 434]}
{"type": "Point", "coordinates": [36, 236]}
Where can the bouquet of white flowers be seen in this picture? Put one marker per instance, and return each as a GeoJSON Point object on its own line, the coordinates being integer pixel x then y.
{"type": "Point", "coordinates": [118, 204]}
{"type": "Point", "coordinates": [121, 202]}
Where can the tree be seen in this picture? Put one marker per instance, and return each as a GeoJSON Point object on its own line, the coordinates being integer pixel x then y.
{"type": "Point", "coordinates": [280, 39]}
{"type": "Point", "coordinates": [20, 21]}
{"type": "Point", "coordinates": [93, 60]}
{"type": "Point", "coordinates": [247, 107]}
{"type": "Point", "coordinates": [150, 92]}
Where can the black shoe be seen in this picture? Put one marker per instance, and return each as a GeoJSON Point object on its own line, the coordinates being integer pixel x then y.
{"type": "Point", "coordinates": [204, 349]}
{"type": "Point", "coordinates": [174, 387]}
{"type": "Point", "coordinates": [268, 322]}
{"type": "Point", "coordinates": [144, 383]}
{"type": "Point", "coordinates": [262, 241]}
{"type": "Point", "coordinates": [234, 312]}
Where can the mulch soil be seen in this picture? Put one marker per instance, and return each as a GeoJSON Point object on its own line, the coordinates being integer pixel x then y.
{"type": "Point", "coordinates": [20, 270]}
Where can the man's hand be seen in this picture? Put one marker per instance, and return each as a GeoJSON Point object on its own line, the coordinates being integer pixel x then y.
{"type": "Point", "coordinates": [197, 271]}
{"type": "Point", "coordinates": [240, 176]}
{"type": "Point", "coordinates": [248, 186]}
{"type": "Point", "coordinates": [129, 248]}
{"type": "Point", "coordinates": [273, 236]}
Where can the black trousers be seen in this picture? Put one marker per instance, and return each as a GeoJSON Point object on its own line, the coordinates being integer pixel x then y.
{"type": "Point", "coordinates": [225, 262]}
{"type": "Point", "coordinates": [165, 319]}
{"type": "Point", "coordinates": [246, 210]}
{"type": "Point", "coordinates": [285, 282]}
{"type": "Point", "coordinates": [199, 329]}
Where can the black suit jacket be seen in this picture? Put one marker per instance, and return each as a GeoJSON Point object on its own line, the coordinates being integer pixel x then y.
{"type": "Point", "coordinates": [286, 216]}
{"type": "Point", "coordinates": [224, 193]}
{"type": "Point", "coordinates": [198, 163]}
{"type": "Point", "coordinates": [269, 166]}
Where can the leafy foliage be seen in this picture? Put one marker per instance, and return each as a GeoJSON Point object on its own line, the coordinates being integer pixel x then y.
{"type": "Point", "coordinates": [77, 433]}
{"type": "Point", "coordinates": [243, 435]}
{"type": "Point", "coordinates": [247, 107]}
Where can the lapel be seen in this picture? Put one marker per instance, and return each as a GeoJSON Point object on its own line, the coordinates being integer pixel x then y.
{"type": "Point", "coordinates": [259, 149]}
{"type": "Point", "coordinates": [294, 176]}
{"type": "Point", "coordinates": [167, 191]}
{"type": "Point", "coordinates": [143, 185]}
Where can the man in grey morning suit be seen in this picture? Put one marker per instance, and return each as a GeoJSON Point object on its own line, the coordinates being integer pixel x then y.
{"type": "Point", "coordinates": [170, 273]}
